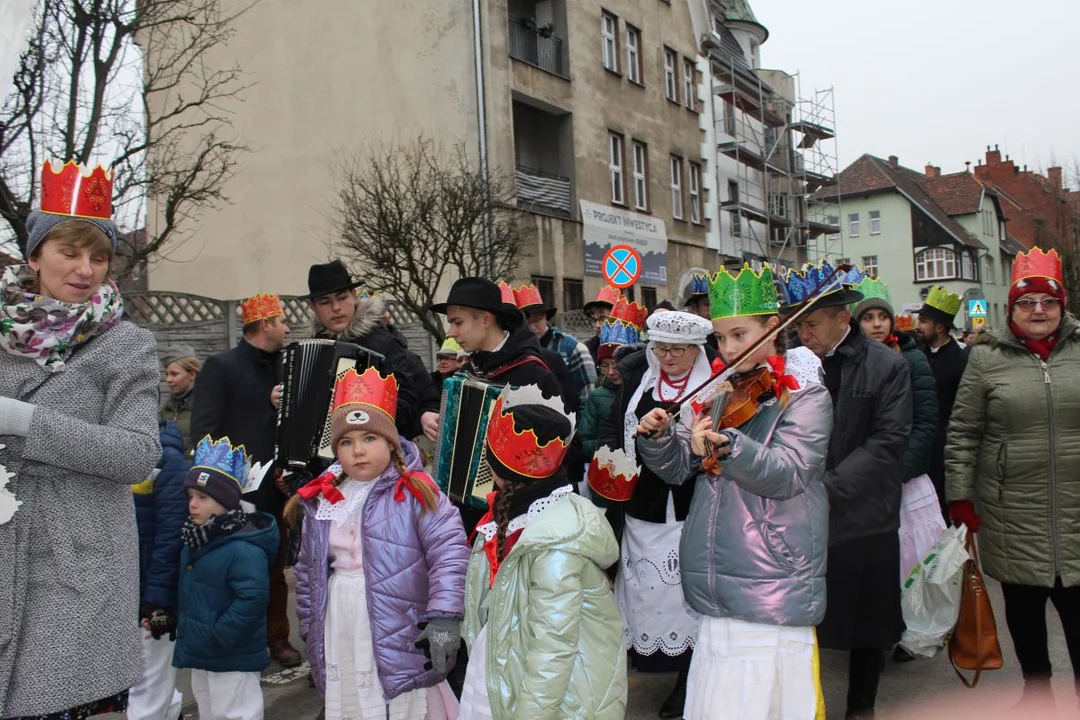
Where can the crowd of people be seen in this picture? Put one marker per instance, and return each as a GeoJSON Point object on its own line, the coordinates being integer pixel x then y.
{"type": "Point", "coordinates": [724, 534]}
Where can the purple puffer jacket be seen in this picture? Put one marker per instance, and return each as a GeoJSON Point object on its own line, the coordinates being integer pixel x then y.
{"type": "Point", "coordinates": [414, 566]}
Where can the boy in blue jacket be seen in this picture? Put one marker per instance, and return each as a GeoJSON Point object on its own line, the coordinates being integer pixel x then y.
{"type": "Point", "coordinates": [224, 586]}
{"type": "Point", "coordinates": [160, 509]}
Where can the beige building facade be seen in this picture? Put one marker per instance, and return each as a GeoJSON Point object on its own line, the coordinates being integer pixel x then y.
{"type": "Point", "coordinates": [597, 109]}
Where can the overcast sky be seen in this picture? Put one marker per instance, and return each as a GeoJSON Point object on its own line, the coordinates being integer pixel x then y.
{"type": "Point", "coordinates": [938, 80]}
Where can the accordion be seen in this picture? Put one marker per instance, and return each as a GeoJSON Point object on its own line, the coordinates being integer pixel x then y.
{"type": "Point", "coordinates": [460, 469]}
{"type": "Point", "coordinates": [310, 368]}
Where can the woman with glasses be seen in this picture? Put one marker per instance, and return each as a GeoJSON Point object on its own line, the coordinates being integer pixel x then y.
{"type": "Point", "coordinates": [1012, 464]}
{"type": "Point", "coordinates": [660, 626]}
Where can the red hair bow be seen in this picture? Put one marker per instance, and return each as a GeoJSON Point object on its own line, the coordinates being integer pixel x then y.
{"type": "Point", "coordinates": [403, 485]}
{"type": "Point", "coordinates": [323, 484]}
{"type": "Point", "coordinates": [778, 365]}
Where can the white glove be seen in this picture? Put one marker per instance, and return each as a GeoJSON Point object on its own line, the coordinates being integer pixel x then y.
{"type": "Point", "coordinates": [15, 416]}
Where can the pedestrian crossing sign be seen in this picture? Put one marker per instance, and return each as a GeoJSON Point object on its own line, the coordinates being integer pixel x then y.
{"type": "Point", "coordinates": [976, 308]}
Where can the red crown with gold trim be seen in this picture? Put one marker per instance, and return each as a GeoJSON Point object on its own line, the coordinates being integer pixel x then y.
{"type": "Point", "coordinates": [522, 452]}
{"type": "Point", "coordinates": [612, 476]}
{"type": "Point", "coordinates": [507, 293]}
{"type": "Point", "coordinates": [527, 296]}
{"type": "Point", "coordinates": [1037, 263]}
{"type": "Point", "coordinates": [261, 307]}
{"type": "Point", "coordinates": [904, 323]}
{"type": "Point", "coordinates": [608, 295]}
{"type": "Point", "coordinates": [368, 388]}
{"type": "Point", "coordinates": [73, 192]}
{"type": "Point", "coordinates": [630, 312]}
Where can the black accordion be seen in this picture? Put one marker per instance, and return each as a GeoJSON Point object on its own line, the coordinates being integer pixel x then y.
{"type": "Point", "coordinates": [310, 369]}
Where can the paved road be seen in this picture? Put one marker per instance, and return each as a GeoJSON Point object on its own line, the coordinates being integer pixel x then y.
{"type": "Point", "coordinates": [922, 689]}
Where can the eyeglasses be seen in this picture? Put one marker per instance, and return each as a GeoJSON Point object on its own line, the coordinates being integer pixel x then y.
{"type": "Point", "coordinates": [676, 351]}
{"type": "Point", "coordinates": [1028, 305]}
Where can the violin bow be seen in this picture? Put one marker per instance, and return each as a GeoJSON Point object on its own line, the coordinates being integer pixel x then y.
{"type": "Point", "coordinates": [675, 408]}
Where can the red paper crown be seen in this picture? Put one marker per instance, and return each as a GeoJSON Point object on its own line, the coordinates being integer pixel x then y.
{"type": "Point", "coordinates": [71, 192]}
{"type": "Point", "coordinates": [630, 312]}
{"type": "Point", "coordinates": [522, 452]}
{"type": "Point", "coordinates": [527, 296]}
{"type": "Point", "coordinates": [608, 295]}
{"type": "Point", "coordinates": [904, 323]}
{"type": "Point", "coordinates": [1037, 263]}
{"type": "Point", "coordinates": [612, 476]}
{"type": "Point", "coordinates": [261, 307]}
{"type": "Point", "coordinates": [369, 388]}
{"type": "Point", "coordinates": [507, 293]}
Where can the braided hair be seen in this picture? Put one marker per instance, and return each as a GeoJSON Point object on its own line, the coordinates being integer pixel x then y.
{"type": "Point", "coordinates": [501, 512]}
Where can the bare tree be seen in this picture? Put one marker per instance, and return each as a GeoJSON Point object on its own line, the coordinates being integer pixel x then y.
{"type": "Point", "coordinates": [125, 81]}
{"type": "Point", "coordinates": [414, 215]}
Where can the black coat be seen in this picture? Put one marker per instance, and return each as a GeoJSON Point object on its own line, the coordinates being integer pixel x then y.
{"type": "Point", "coordinates": [521, 343]}
{"type": "Point", "coordinates": [925, 410]}
{"type": "Point", "coordinates": [427, 395]}
{"type": "Point", "coordinates": [948, 365]}
{"type": "Point", "coordinates": [872, 401]}
{"type": "Point", "coordinates": [232, 399]}
{"type": "Point", "coordinates": [593, 344]}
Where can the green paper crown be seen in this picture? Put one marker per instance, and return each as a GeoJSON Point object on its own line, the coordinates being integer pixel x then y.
{"type": "Point", "coordinates": [872, 289]}
{"type": "Point", "coordinates": [941, 299]}
{"type": "Point", "coordinates": [749, 293]}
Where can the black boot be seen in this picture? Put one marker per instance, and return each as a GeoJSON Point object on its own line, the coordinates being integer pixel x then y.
{"type": "Point", "coordinates": [1037, 697]}
{"type": "Point", "coordinates": [673, 706]}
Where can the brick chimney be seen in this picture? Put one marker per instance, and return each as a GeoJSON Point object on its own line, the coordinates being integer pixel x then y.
{"type": "Point", "coordinates": [932, 171]}
{"type": "Point", "coordinates": [993, 157]}
{"type": "Point", "coordinates": [894, 161]}
{"type": "Point", "coordinates": [1054, 173]}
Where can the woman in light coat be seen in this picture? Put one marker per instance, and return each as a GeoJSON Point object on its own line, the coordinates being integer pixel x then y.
{"type": "Point", "coordinates": [78, 427]}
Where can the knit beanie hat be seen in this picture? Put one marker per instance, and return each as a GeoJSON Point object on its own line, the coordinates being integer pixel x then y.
{"type": "Point", "coordinates": [366, 402]}
{"type": "Point", "coordinates": [874, 303]}
{"type": "Point", "coordinates": [219, 470]}
{"type": "Point", "coordinates": [606, 352]}
{"type": "Point", "coordinates": [1046, 285]}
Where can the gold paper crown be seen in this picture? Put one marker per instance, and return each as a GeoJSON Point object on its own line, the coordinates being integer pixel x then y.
{"type": "Point", "coordinates": [261, 307]}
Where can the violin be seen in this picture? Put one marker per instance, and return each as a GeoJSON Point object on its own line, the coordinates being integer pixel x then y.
{"type": "Point", "coordinates": [734, 406]}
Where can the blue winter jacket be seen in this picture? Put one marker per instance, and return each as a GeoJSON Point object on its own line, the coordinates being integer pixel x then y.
{"type": "Point", "coordinates": [160, 510]}
{"type": "Point", "coordinates": [224, 591]}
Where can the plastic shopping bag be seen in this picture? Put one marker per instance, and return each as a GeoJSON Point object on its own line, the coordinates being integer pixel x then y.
{"type": "Point", "coordinates": [921, 523]}
{"type": "Point", "coordinates": [930, 599]}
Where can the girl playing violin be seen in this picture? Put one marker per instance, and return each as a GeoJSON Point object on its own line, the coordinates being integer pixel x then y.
{"type": "Point", "coordinates": [752, 554]}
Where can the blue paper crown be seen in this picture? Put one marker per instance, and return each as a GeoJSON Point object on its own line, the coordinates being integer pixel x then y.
{"type": "Point", "coordinates": [220, 455]}
{"type": "Point", "coordinates": [617, 332]}
{"type": "Point", "coordinates": [797, 286]}
{"type": "Point", "coordinates": [699, 285]}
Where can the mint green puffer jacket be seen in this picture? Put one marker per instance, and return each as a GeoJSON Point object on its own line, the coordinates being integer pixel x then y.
{"type": "Point", "coordinates": [555, 645]}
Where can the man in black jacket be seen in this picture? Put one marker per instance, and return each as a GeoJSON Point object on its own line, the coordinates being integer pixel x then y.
{"type": "Point", "coordinates": [233, 399]}
{"type": "Point", "coordinates": [340, 314]}
{"type": "Point", "coordinates": [948, 359]}
{"type": "Point", "coordinates": [871, 391]}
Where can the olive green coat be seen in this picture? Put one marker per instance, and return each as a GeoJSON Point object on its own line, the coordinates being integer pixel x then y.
{"type": "Point", "coordinates": [555, 645]}
{"type": "Point", "coordinates": [1014, 449]}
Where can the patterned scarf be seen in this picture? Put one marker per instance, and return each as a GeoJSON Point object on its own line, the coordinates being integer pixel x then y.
{"type": "Point", "coordinates": [195, 536]}
{"type": "Point", "coordinates": [49, 330]}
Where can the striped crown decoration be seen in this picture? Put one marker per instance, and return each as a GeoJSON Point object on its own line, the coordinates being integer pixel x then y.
{"type": "Point", "coordinates": [748, 293]}
{"type": "Point", "coordinates": [220, 455]}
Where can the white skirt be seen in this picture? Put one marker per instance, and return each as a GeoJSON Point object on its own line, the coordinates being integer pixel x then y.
{"type": "Point", "coordinates": [353, 691]}
{"type": "Point", "coordinates": [649, 588]}
{"type": "Point", "coordinates": [750, 671]}
{"type": "Point", "coordinates": [475, 702]}
{"type": "Point", "coordinates": [921, 523]}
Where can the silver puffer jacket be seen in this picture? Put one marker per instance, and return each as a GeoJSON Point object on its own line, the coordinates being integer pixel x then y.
{"type": "Point", "coordinates": [754, 545]}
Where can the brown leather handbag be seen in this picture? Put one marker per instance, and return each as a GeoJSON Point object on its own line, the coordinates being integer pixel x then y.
{"type": "Point", "coordinates": [974, 642]}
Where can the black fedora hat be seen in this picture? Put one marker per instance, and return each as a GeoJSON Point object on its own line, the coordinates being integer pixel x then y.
{"type": "Point", "coordinates": [327, 279]}
{"type": "Point", "coordinates": [480, 294]}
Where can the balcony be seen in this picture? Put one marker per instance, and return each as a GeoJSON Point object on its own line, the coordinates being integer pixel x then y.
{"type": "Point", "coordinates": [541, 192]}
{"type": "Point", "coordinates": [535, 46]}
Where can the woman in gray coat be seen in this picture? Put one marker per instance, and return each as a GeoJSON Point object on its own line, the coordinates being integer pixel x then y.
{"type": "Point", "coordinates": [78, 426]}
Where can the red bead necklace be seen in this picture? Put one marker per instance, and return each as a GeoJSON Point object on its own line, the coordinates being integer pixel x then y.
{"type": "Point", "coordinates": [679, 386]}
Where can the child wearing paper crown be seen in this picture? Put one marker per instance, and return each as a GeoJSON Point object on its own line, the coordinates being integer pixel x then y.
{"type": "Point", "coordinates": [380, 577]}
{"type": "Point", "coordinates": [224, 585]}
{"type": "Point", "coordinates": [752, 555]}
{"type": "Point", "coordinates": [544, 631]}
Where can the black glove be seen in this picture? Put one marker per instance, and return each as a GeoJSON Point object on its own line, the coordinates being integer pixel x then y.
{"type": "Point", "coordinates": [440, 638]}
{"type": "Point", "coordinates": [162, 622]}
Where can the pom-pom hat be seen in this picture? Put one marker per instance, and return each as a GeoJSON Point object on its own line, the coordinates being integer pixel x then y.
{"type": "Point", "coordinates": [219, 470]}
{"type": "Point", "coordinates": [71, 193]}
{"type": "Point", "coordinates": [367, 402]}
{"type": "Point", "coordinates": [528, 435]}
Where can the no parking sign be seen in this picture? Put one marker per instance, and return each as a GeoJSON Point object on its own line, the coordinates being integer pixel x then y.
{"type": "Point", "coordinates": [622, 266]}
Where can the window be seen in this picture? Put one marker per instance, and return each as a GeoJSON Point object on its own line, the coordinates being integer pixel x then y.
{"type": "Point", "coordinates": [729, 118]}
{"type": "Point", "coordinates": [988, 270]}
{"type": "Point", "coordinates": [1001, 232]}
{"type": "Point", "coordinates": [689, 75]}
{"type": "Point", "coordinates": [843, 261]}
{"type": "Point", "coordinates": [935, 264]}
{"type": "Point", "coordinates": [967, 266]}
{"type": "Point", "coordinates": [853, 225]}
{"type": "Point", "coordinates": [875, 222]}
{"type": "Point", "coordinates": [609, 43]}
{"type": "Point", "coordinates": [573, 294]}
{"type": "Point", "coordinates": [633, 54]}
{"type": "Point", "coordinates": [671, 81]}
{"type": "Point", "coordinates": [615, 168]}
{"type": "Point", "coordinates": [546, 286]}
{"type": "Point", "coordinates": [641, 181]}
{"type": "Point", "coordinates": [869, 264]}
{"type": "Point", "coordinates": [648, 297]}
{"type": "Point", "coordinates": [733, 191]}
{"type": "Point", "coordinates": [1006, 271]}
{"type": "Point", "coordinates": [676, 187]}
{"type": "Point", "coordinates": [833, 220]}
{"type": "Point", "coordinates": [695, 193]}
